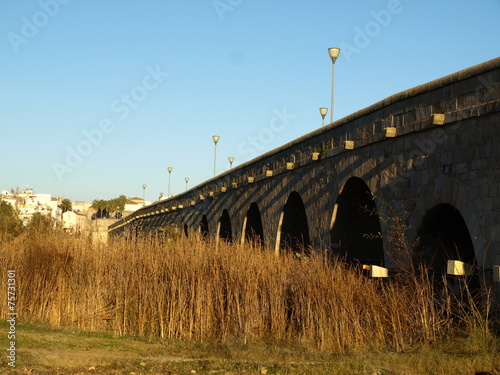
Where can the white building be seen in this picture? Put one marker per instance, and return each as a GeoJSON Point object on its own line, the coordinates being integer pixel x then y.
{"type": "Point", "coordinates": [28, 203]}
{"type": "Point", "coordinates": [75, 222]}
{"type": "Point", "coordinates": [133, 204]}
{"type": "Point", "coordinates": [79, 206]}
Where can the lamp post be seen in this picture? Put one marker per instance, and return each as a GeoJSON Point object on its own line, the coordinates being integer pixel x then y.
{"type": "Point", "coordinates": [231, 159]}
{"type": "Point", "coordinates": [323, 111]}
{"type": "Point", "coordinates": [216, 139]}
{"type": "Point", "coordinates": [187, 180]}
{"type": "Point", "coordinates": [144, 194]}
{"type": "Point", "coordinates": [169, 169]}
{"type": "Point", "coordinates": [334, 54]}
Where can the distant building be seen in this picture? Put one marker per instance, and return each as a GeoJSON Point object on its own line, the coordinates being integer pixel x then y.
{"type": "Point", "coordinates": [75, 222]}
{"type": "Point", "coordinates": [133, 204]}
{"type": "Point", "coordinates": [81, 218]}
{"type": "Point", "coordinates": [28, 203]}
{"type": "Point", "coordinates": [80, 206]}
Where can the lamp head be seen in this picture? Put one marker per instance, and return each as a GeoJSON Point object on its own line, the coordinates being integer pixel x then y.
{"type": "Point", "coordinates": [169, 169]}
{"type": "Point", "coordinates": [216, 138]}
{"type": "Point", "coordinates": [323, 111]}
{"type": "Point", "coordinates": [334, 53]}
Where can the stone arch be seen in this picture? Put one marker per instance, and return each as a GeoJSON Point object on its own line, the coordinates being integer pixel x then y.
{"type": "Point", "coordinates": [355, 232]}
{"type": "Point", "coordinates": [252, 227]}
{"type": "Point", "coordinates": [224, 231]}
{"type": "Point", "coordinates": [449, 189]}
{"type": "Point", "coordinates": [293, 229]}
{"type": "Point", "coordinates": [204, 227]}
{"type": "Point", "coordinates": [443, 235]}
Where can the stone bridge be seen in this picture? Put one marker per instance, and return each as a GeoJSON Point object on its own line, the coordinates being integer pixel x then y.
{"type": "Point", "coordinates": [425, 161]}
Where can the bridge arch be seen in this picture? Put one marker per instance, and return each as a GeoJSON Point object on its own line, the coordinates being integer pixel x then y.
{"type": "Point", "coordinates": [252, 226]}
{"type": "Point", "coordinates": [293, 229]}
{"type": "Point", "coordinates": [224, 231]}
{"type": "Point", "coordinates": [450, 190]}
{"type": "Point", "coordinates": [204, 227]}
{"type": "Point", "coordinates": [355, 232]}
{"type": "Point", "coordinates": [443, 235]}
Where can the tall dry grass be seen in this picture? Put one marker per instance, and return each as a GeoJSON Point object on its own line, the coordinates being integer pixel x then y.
{"type": "Point", "coordinates": [191, 289]}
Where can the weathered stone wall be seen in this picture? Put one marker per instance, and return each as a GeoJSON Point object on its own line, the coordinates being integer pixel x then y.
{"type": "Point", "coordinates": [446, 150]}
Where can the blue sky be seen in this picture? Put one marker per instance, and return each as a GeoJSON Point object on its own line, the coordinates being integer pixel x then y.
{"type": "Point", "coordinates": [101, 96]}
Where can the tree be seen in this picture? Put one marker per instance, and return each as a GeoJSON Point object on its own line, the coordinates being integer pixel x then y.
{"type": "Point", "coordinates": [10, 224]}
{"type": "Point", "coordinates": [101, 206]}
{"type": "Point", "coordinates": [41, 223]}
{"type": "Point", "coordinates": [66, 205]}
{"type": "Point", "coordinates": [105, 208]}
{"type": "Point", "coordinates": [120, 202]}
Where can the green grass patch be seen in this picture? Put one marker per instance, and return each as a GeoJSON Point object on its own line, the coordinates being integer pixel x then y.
{"type": "Point", "coordinates": [43, 350]}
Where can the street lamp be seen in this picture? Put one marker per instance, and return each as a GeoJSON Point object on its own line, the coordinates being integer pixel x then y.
{"type": "Point", "coordinates": [144, 194]}
{"type": "Point", "coordinates": [216, 139]}
{"type": "Point", "coordinates": [334, 54]}
{"type": "Point", "coordinates": [231, 159]}
{"type": "Point", "coordinates": [323, 111]}
{"type": "Point", "coordinates": [169, 169]}
{"type": "Point", "coordinates": [187, 180]}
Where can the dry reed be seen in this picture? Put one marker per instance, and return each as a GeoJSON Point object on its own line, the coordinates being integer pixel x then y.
{"type": "Point", "coordinates": [193, 289]}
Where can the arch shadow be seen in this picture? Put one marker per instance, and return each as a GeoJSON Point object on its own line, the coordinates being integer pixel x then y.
{"type": "Point", "coordinates": [224, 229]}
{"type": "Point", "coordinates": [355, 232]}
{"type": "Point", "coordinates": [252, 226]}
{"type": "Point", "coordinates": [443, 235]}
{"type": "Point", "coordinates": [204, 227]}
{"type": "Point", "coordinates": [293, 230]}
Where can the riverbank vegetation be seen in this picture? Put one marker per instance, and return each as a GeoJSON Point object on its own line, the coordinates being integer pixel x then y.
{"type": "Point", "coordinates": [192, 290]}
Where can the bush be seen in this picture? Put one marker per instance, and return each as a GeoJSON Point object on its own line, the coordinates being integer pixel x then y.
{"type": "Point", "coordinates": [40, 224]}
{"type": "Point", "coordinates": [11, 225]}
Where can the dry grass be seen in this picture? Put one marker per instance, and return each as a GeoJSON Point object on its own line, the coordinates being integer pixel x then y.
{"type": "Point", "coordinates": [189, 289]}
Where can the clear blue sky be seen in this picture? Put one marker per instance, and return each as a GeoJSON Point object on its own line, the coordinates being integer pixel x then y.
{"type": "Point", "coordinates": [100, 96]}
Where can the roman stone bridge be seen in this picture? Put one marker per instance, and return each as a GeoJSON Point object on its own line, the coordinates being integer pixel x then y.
{"type": "Point", "coordinates": [425, 162]}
